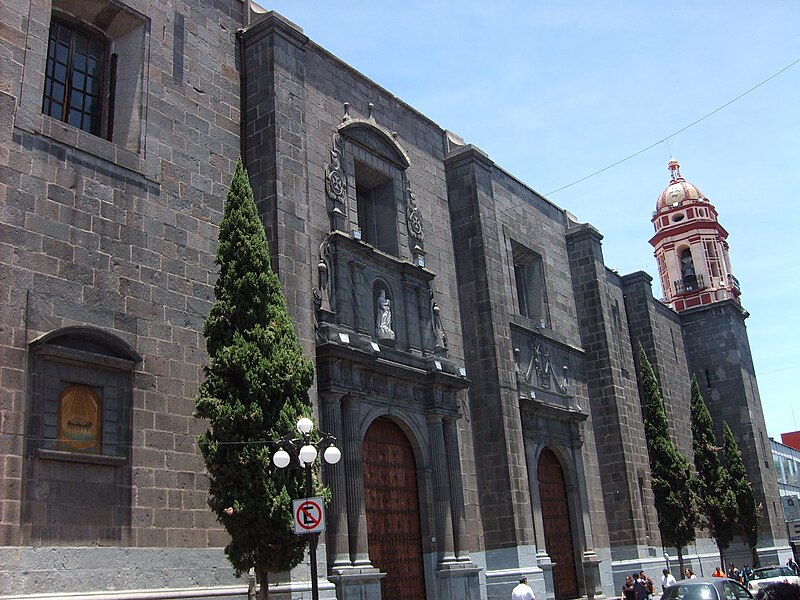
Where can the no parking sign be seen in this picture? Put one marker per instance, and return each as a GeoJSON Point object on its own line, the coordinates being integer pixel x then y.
{"type": "Point", "coordinates": [309, 515]}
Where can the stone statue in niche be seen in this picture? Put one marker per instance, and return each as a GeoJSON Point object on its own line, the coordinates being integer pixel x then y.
{"type": "Point", "coordinates": [322, 293]}
{"type": "Point", "coordinates": [383, 326]}
{"type": "Point", "coordinates": [438, 329]}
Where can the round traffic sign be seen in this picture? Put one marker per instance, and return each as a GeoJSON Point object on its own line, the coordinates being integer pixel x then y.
{"type": "Point", "coordinates": [309, 515]}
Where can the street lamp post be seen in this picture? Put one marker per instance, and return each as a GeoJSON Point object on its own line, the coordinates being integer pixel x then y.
{"type": "Point", "coordinates": [307, 452]}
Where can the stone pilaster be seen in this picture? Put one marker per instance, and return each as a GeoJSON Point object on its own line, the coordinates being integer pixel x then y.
{"type": "Point", "coordinates": [336, 537]}
{"type": "Point", "coordinates": [456, 488]}
{"type": "Point", "coordinates": [354, 471]}
{"type": "Point", "coordinates": [441, 491]}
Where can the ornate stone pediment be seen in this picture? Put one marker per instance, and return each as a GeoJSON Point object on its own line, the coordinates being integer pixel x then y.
{"type": "Point", "coordinates": [373, 137]}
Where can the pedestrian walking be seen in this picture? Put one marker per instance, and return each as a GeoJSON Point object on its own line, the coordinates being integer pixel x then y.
{"type": "Point", "coordinates": [628, 593]}
{"type": "Point", "coordinates": [522, 591]}
{"type": "Point", "coordinates": [667, 579]}
{"type": "Point", "coordinates": [793, 566]}
{"type": "Point", "coordinates": [643, 587]}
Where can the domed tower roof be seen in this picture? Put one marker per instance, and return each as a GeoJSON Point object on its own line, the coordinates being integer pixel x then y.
{"type": "Point", "coordinates": [690, 247]}
{"type": "Point", "coordinates": [678, 190]}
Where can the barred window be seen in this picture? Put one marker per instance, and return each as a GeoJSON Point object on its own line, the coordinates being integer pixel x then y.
{"type": "Point", "coordinates": [74, 77]}
{"type": "Point", "coordinates": [376, 205]}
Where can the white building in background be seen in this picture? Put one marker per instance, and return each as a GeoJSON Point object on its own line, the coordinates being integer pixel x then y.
{"type": "Point", "coordinates": [787, 469]}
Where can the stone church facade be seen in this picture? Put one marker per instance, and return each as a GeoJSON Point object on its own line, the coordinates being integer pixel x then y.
{"type": "Point", "coordinates": [475, 359]}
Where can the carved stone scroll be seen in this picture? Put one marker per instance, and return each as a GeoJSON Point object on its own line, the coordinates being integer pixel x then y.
{"type": "Point", "coordinates": [414, 225]}
{"type": "Point", "coordinates": [413, 216]}
{"type": "Point", "coordinates": [336, 185]}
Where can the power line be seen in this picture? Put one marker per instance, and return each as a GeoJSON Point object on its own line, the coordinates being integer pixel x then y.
{"type": "Point", "coordinates": [778, 370]}
{"type": "Point", "coordinates": [673, 134]}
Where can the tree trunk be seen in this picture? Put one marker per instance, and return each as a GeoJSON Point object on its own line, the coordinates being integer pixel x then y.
{"type": "Point", "coordinates": [263, 580]}
{"type": "Point", "coordinates": [722, 559]}
{"type": "Point", "coordinates": [680, 562]}
{"type": "Point", "coordinates": [756, 561]}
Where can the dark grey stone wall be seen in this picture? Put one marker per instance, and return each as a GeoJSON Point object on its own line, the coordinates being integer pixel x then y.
{"type": "Point", "coordinates": [118, 236]}
{"type": "Point", "coordinates": [718, 354]}
{"type": "Point", "coordinates": [295, 97]}
{"type": "Point", "coordinates": [613, 397]}
{"type": "Point", "coordinates": [528, 386]}
{"type": "Point", "coordinates": [658, 329]}
{"type": "Point", "coordinates": [485, 300]}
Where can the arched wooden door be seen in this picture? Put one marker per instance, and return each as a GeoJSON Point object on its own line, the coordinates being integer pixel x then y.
{"type": "Point", "coordinates": [392, 503]}
{"type": "Point", "coordinates": [557, 530]}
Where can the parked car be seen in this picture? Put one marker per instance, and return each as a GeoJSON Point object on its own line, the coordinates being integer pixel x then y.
{"type": "Point", "coordinates": [765, 575]}
{"type": "Point", "coordinates": [706, 588]}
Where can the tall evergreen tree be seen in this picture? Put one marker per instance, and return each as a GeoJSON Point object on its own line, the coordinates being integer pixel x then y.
{"type": "Point", "coordinates": [254, 390]}
{"type": "Point", "coordinates": [716, 498]}
{"type": "Point", "coordinates": [672, 481]}
{"type": "Point", "coordinates": [743, 489]}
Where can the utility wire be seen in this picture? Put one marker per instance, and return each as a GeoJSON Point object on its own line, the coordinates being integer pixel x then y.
{"type": "Point", "coordinates": [681, 130]}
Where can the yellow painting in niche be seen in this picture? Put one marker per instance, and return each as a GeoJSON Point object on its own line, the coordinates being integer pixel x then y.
{"type": "Point", "coordinates": [79, 420]}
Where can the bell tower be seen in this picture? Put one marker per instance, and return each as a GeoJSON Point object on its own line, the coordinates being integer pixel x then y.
{"type": "Point", "coordinates": [691, 247]}
{"type": "Point", "coordinates": [696, 278]}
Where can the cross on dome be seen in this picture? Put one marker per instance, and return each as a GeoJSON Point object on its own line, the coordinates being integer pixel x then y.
{"type": "Point", "coordinates": [675, 170]}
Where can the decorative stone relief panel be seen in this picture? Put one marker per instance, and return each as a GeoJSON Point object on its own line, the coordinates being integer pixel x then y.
{"type": "Point", "coordinates": [543, 368]}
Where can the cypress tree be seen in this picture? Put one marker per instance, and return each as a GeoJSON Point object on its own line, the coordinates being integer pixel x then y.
{"type": "Point", "coordinates": [716, 498]}
{"type": "Point", "coordinates": [672, 481]}
{"type": "Point", "coordinates": [743, 489]}
{"type": "Point", "coordinates": [254, 389]}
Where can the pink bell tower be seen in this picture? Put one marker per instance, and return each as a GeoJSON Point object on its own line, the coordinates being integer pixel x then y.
{"type": "Point", "coordinates": [691, 247]}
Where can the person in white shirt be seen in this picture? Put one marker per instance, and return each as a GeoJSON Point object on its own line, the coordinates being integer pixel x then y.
{"type": "Point", "coordinates": [667, 579]}
{"type": "Point", "coordinates": [523, 591]}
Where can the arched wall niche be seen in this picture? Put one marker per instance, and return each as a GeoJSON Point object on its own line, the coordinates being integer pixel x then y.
{"type": "Point", "coordinates": [79, 436]}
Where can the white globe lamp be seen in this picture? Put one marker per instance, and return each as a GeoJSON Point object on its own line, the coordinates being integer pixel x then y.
{"type": "Point", "coordinates": [281, 459]}
{"type": "Point", "coordinates": [332, 455]}
{"type": "Point", "coordinates": [308, 454]}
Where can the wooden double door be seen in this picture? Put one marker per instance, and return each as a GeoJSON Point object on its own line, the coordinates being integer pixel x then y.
{"type": "Point", "coordinates": [393, 516]}
{"type": "Point", "coordinates": [557, 526]}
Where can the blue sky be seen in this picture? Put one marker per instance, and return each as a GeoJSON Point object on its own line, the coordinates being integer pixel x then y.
{"type": "Point", "coordinates": [554, 91]}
